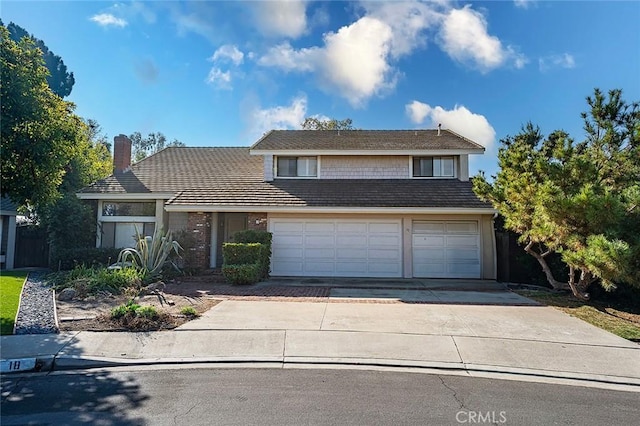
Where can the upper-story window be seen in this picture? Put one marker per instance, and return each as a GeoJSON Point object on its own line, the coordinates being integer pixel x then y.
{"type": "Point", "coordinates": [433, 167]}
{"type": "Point", "coordinates": [297, 166]}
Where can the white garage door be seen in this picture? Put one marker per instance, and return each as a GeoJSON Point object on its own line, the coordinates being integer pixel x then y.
{"type": "Point", "coordinates": [446, 249]}
{"type": "Point", "coordinates": [336, 247]}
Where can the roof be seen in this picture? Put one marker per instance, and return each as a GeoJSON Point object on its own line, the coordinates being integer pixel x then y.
{"type": "Point", "coordinates": [7, 206]}
{"type": "Point", "coordinates": [367, 140]}
{"type": "Point", "coordinates": [233, 177]}
{"type": "Point", "coordinates": [438, 193]}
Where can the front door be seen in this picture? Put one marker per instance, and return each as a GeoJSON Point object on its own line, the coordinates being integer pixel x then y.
{"type": "Point", "coordinates": [228, 225]}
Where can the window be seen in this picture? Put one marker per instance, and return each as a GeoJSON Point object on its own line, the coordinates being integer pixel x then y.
{"type": "Point", "coordinates": [129, 209]}
{"type": "Point", "coordinates": [297, 166]}
{"type": "Point", "coordinates": [433, 167]}
{"type": "Point", "coordinates": [123, 234]}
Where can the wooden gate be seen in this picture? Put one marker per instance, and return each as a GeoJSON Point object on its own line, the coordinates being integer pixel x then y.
{"type": "Point", "coordinates": [32, 248]}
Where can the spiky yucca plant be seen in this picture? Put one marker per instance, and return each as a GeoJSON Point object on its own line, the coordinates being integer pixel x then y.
{"type": "Point", "coordinates": [151, 253]}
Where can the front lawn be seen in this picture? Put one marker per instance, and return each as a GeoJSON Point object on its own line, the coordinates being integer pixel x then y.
{"type": "Point", "coordinates": [10, 287]}
{"type": "Point", "coordinates": [621, 321]}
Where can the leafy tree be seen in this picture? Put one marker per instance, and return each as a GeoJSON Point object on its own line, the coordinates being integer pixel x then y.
{"type": "Point", "coordinates": [154, 142]}
{"type": "Point", "coordinates": [59, 79]}
{"type": "Point", "coordinates": [40, 133]}
{"type": "Point", "coordinates": [581, 200]}
{"type": "Point", "coordinates": [313, 123]}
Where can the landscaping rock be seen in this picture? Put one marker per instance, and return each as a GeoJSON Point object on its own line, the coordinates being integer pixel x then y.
{"type": "Point", "coordinates": [67, 294]}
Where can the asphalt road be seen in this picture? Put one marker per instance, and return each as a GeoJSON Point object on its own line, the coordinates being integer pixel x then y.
{"type": "Point", "coordinates": [207, 396]}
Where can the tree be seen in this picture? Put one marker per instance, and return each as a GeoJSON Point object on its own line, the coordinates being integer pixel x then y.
{"type": "Point", "coordinates": [581, 200]}
{"type": "Point", "coordinates": [40, 133]}
{"type": "Point", "coordinates": [59, 79]}
{"type": "Point", "coordinates": [313, 123]}
{"type": "Point", "coordinates": [154, 142]}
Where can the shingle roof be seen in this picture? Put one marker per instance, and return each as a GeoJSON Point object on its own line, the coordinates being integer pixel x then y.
{"type": "Point", "coordinates": [233, 177]}
{"type": "Point", "coordinates": [336, 193]}
{"type": "Point", "coordinates": [356, 140]}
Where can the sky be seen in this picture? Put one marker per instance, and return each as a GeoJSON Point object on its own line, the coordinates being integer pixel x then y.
{"type": "Point", "coordinates": [212, 73]}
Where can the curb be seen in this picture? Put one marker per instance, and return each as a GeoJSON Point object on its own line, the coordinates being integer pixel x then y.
{"type": "Point", "coordinates": [67, 363]}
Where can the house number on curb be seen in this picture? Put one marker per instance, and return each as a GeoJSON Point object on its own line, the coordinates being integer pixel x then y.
{"type": "Point", "coordinates": [20, 364]}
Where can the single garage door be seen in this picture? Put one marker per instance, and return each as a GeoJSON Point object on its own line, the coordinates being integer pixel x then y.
{"type": "Point", "coordinates": [446, 249]}
{"type": "Point", "coordinates": [336, 247]}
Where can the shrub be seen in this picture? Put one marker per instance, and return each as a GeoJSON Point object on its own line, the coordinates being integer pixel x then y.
{"type": "Point", "coordinates": [189, 311]}
{"type": "Point", "coordinates": [67, 259]}
{"type": "Point", "coordinates": [242, 274]}
{"type": "Point", "coordinates": [92, 280]}
{"type": "Point", "coordinates": [120, 311]}
{"type": "Point", "coordinates": [240, 253]}
{"type": "Point", "coordinates": [148, 312]}
{"type": "Point", "coordinates": [263, 237]}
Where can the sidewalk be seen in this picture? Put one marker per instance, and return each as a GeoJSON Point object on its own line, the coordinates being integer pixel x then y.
{"type": "Point", "coordinates": [526, 342]}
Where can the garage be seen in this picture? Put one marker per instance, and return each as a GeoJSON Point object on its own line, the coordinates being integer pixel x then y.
{"type": "Point", "coordinates": [446, 249]}
{"type": "Point", "coordinates": [336, 247]}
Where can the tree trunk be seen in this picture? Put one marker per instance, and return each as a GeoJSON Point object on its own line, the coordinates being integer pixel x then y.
{"type": "Point", "coordinates": [557, 285]}
{"type": "Point", "coordinates": [580, 288]}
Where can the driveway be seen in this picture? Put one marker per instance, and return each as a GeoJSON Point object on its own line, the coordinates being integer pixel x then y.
{"type": "Point", "coordinates": [477, 314]}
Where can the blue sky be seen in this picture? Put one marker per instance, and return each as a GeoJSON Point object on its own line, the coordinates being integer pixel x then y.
{"type": "Point", "coordinates": [222, 73]}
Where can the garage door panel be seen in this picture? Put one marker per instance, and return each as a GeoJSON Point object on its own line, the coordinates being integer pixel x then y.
{"type": "Point", "coordinates": [462, 240]}
{"type": "Point", "coordinates": [428, 254]}
{"type": "Point", "coordinates": [384, 254]}
{"type": "Point", "coordinates": [319, 253]}
{"type": "Point", "coordinates": [286, 240]}
{"type": "Point", "coordinates": [351, 253]}
{"type": "Point", "coordinates": [435, 270]}
{"type": "Point", "coordinates": [287, 253]}
{"type": "Point", "coordinates": [279, 227]}
{"type": "Point", "coordinates": [337, 247]}
{"type": "Point", "coordinates": [318, 240]}
{"type": "Point", "coordinates": [428, 241]}
{"type": "Point", "coordinates": [352, 227]}
{"type": "Point", "coordinates": [427, 227]}
{"type": "Point", "coordinates": [462, 227]}
{"type": "Point", "coordinates": [351, 240]}
{"type": "Point", "coordinates": [457, 255]}
{"type": "Point", "coordinates": [322, 227]}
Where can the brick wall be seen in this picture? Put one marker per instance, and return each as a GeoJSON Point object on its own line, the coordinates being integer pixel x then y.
{"type": "Point", "coordinates": [199, 225]}
{"type": "Point", "coordinates": [257, 221]}
{"type": "Point", "coordinates": [364, 167]}
{"type": "Point", "coordinates": [121, 153]}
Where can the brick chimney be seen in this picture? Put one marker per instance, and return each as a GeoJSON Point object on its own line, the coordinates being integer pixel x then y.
{"type": "Point", "coordinates": [121, 153]}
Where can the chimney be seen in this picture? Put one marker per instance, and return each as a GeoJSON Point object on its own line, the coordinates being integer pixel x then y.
{"type": "Point", "coordinates": [439, 126]}
{"type": "Point", "coordinates": [121, 153]}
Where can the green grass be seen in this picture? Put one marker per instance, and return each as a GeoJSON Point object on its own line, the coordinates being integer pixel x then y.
{"type": "Point", "coordinates": [10, 288]}
{"type": "Point", "coordinates": [620, 321]}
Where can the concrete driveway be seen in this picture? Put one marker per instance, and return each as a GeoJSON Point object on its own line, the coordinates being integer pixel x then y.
{"type": "Point", "coordinates": [495, 314]}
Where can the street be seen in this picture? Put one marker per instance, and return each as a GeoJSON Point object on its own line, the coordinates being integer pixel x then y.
{"type": "Point", "coordinates": [250, 396]}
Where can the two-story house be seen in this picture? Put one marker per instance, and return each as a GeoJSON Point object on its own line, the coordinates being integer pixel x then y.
{"type": "Point", "coordinates": [355, 203]}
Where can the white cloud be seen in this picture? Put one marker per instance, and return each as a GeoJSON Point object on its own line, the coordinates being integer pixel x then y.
{"type": "Point", "coordinates": [353, 61]}
{"type": "Point", "coordinates": [564, 60]}
{"type": "Point", "coordinates": [285, 57]}
{"type": "Point", "coordinates": [281, 18]}
{"type": "Point", "coordinates": [459, 119]}
{"type": "Point", "coordinates": [523, 4]}
{"type": "Point", "coordinates": [464, 37]}
{"type": "Point", "coordinates": [228, 52]}
{"type": "Point", "coordinates": [417, 111]}
{"type": "Point", "coordinates": [219, 79]}
{"type": "Point", "coordinates": [279, 117]}
{"type": "Point", "coordinates": [107, 19]}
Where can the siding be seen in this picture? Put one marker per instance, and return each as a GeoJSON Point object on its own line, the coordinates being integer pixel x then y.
{"type": "Point", "coordinates": [364, 167]}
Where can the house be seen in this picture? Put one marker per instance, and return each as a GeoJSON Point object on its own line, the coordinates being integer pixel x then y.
{"type": "Point", "coordinates": [354, 203]}
{"type": "Point", "coordinates": [8, 215]}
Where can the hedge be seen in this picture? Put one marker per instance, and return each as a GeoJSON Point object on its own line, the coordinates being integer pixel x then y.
{"type": "Point", "coordinates": [241, 253]}
{"type": "Point", "coordinates": [255, 236]}
{"type": "Point", "coordinates": [242, 274]}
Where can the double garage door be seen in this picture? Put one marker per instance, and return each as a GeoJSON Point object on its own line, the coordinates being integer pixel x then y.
{"type": "Point", "coordinates": [373, 248]}
{"type": "Point", "coordinates": [336, 247]}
